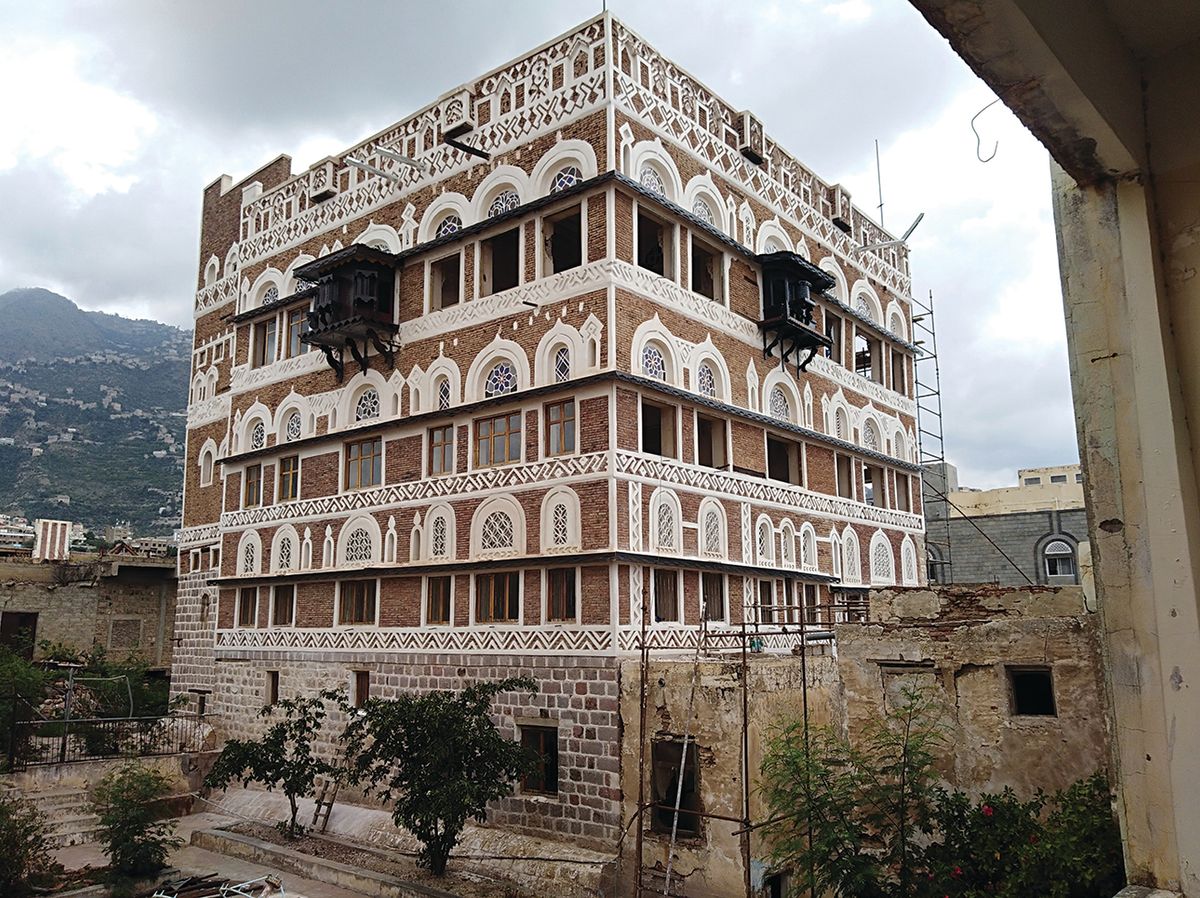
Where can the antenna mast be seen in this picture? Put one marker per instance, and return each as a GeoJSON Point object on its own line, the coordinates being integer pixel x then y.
{"type": "Point", "coordinates": [879, 181]}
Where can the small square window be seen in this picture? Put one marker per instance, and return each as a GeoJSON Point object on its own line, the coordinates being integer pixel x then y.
{"type": "Point", "coordinates": [498, 440]}
{"type": "Point", "coordinates": [713, 590]}
{"type": "Point", "coordinates": [543, 741]}
{"type": "Point", "coordinates": [441, 450]}
{"type": "Point", "coordinates": [498, 598]}
{"type": "Point", "coordinates": [1032, 692]}
{"type": "Point", "coordinates": [658, 429]}
{"type": "Point", "coordinates": [364, 463]}
{"type": "Point", "coordinates": [706, 271]}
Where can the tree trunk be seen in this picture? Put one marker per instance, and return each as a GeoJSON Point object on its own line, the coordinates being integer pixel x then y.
{"type": "Point", "coordinates": [292, 823]}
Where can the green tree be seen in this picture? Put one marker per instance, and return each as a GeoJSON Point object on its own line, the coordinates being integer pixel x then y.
{"type": "Point", "coordinates": [283, 757]}
{"type": "Point", "coordinates": [850, 816]}
{"type": "Point", "coordinates": [439, 758]}
{"type": "Point", "coordinates": [23, 690]}
{"type": "Point", "coordinates": [23, 845]}
{"type": "Point", "coordinates": [129, 802]}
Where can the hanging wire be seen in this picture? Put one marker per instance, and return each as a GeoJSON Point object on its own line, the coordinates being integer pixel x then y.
{"type": "Point", "coordinates": [978, 139]}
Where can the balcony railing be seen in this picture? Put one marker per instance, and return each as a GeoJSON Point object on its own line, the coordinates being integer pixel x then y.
{"type": "Point", "coordinates": [39, 742]}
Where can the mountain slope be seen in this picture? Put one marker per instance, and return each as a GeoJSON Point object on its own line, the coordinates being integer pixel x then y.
{"type": "Point", "coordinates": [92, 414]}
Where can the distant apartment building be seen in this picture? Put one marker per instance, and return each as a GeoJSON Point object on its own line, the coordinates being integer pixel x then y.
{"type": "Point", "coordinates": [1013, 536]}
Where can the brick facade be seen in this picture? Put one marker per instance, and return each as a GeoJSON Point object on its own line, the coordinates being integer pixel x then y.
{"type": "Point", "coordinates": [678, 468]}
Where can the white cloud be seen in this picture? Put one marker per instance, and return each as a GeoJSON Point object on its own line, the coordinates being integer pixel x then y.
{"type": "Point", "coordinates": [90, 133]}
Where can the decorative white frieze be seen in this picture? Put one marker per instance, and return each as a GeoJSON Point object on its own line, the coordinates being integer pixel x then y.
{"type": "Point", "coordinates": [499, 640]}
{"type": "Point", "coordinates": [547, 290]}
{"type": "Point", "coordinates": [215, 408]}
{"type": "Point", "coordinates": [218, 293]}
{"type": "Point", "coordinates": [770, 492]}
{"type": "Point", "coordinates": [199, 535]}
{"type": "Point", "coordinates": [666, 291]}
{"type": "Point", "coordinates": [878, 393]}
{"type": "Point", "coordinates": [506, 477]}
{"type": "Point", "coordinates": [243, 377]}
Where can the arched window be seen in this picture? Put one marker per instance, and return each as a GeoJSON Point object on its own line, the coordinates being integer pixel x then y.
{"type": "Point", "coordinates": [882, 563]}
{"type": "Point", "coordinates": [908, 563]}
{"type": "Point", "coordinates": [497, 532]}
{"type": "Point", "coordinates": [359, 547]}
{"type": "Point", "coordinates": [652, 180]}
{"type": "Point", "coordinates": [851, 563]}
{"type": "Point", "coordinates": [711, 540]}
{"type": "Point", "coordinates": [272, 295]}
{"type": "Point", "coordinates": [283, 560]}
{"type": "Point", "coordinates": [864, 308]}
{"type": "Point", "coordinates": [367, 406]}
{"type": "Point", "coordinates": [780, 406]}
{"type": "Point", "coordinates": [437, 544]}
{"type": "Point", "coordinates": [808, 549]}
{"type": "Point", "coordinates": [703, 211]}
{"type": "Point", "coordinates": [1060, 559]}
{"type": "Point", "coordinates": [562, 365]}
{"type": "Point", "coordinates": [250, 558]}
{"type": "Point", "coordinates": [294, 426]}
{"type": "Point", "coordinates": [654, 364]}
{"type": "Point", "coordinates": [443, 393]}
{"type": "Point", "coordinates": [505, 202]}
{"type": "Point", "coordinates": [500, 380]}
{"type": "Point", "coordinates": [258, 435]}
{"type": "Point", "coordinates": [566, 178]}
{"type": "Point", "coordinates": [560, 533]}
{"type": "Point", "coordinates": [706, 381]}
{"type": "Point", "coordinates": [787, 546]}
{"type": "Point", "coordinates": [206, 467]}
{"type": "Point", "coordinates": [841, 426]}
{"type": "Point", "coordinates": [666, 527]}
{"type": "Point", "coordinates": [765, 543]}
{"type": "Point", "coordinates": [451, 224]}
{"type": "Point", "coordinates": [772, 246]}
{"type": "Point", "coordinates": [870, 435]}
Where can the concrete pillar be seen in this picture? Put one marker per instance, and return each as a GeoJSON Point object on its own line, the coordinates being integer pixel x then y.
{"type": "Point", "coordinates": [1141, 493]}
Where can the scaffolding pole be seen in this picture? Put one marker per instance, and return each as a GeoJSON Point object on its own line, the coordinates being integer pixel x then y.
{"type": "Point", "coordinates": [931, 442]}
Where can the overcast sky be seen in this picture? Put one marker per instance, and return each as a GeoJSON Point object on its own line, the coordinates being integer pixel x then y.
{"type": "Point", "coordinates": [117, 113]}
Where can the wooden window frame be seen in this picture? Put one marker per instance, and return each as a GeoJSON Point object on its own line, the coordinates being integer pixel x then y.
{"type": "Point", "coordinates": [566, 426]}
{"type": "Point", "coordinates": [543, 740]}
{"type": "Point", "coordinates": [441, 450]}
{"type": "Point", "coordinates": [249, 500]}
{"type": "Point", "coordinates": [569, 601]}
{"type": "Point", "coordinates": [291, 621]}
{"type": "Point", "coordinates": [353, 477]}
{"type": "Point", "coordinates": [289, 478]}
{"type": "Point", "coordinates": [369, 601]}
{"type": "Point", "coordinates": [486, 600]}
{"type": "Point", "coordinates": [241, 619]}
{"type": "Point", "coordinates": [504, 437]}
{"type": "Point", "coordinates": [266, 333]}
{"type": "Point", "coordinates": [674, 574]}
{"type": "Point", "coordinates": [294, 319]}
{"type": "Point", "coordinates": [449, 598]}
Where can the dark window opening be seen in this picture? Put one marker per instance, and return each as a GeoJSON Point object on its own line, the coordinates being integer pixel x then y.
{"type": "Point", "coordinates": [766, 601]}
{"type": "Point", "coordinates": [498, 597]}
{"type": "Point", "coordinates": [710, 442]}
{"type": "Point", "coordinates": [1058, 478]}
{"type": "Point", "coordinates": [1060, 565]}
{"type": "Point", "coordinates": [560, 594]}
{"type": "Point", "coordinates": [1032, 692]}
{"type": "Point", "coordinates": [845, 477]}
{"type": "Point", "coordinates": [18, 632]}
{"type": "Point", "coordinates": [784, 461]}
{"type": "Point", "coordinates": [902, 493]}
{"type": "Point", "coordinates": [543, 778]}
{"type": "Point", "coordinates": [811, 601]}
{"type": "Point", "coordinates": [899, 373]}
{"type": "Point", "coordinates": [362, 687]}
{"type": "Point", "coordinates": [437, 609]}
{"type": "Point", "coordinates": [670, 766]}
{"type": "Point", "coordinates": [564, 240]}
{"type": "Point", "coordinates": [501, 262]}
{"type": "Point", "coordinates": [283, 603]}
{"type": "Point", "coordinates": [666, 596]}
{"type": "Point", "coordinates": [445, 288]}
{"type": "Point", "coordinates": [357, 604]}
{"type": "Point", "coordinates": [705, 271]}
{"type": "Point", "coordinates": [873, 491]}
{"type": "Point", "coordinates": [247, 606]}
{"type": "Point", "coordinates": [272, 687]}
{"type": "Point", "coordinates": [833, 330]}
{"type": "Point", "coordinates": [712, 587]}
{"type": "Point", "coordinates": [867, 358]}
{"type": "Point", "coordinates": [653, 252]}
{"type": "Point", "coordinates": [658, 429]}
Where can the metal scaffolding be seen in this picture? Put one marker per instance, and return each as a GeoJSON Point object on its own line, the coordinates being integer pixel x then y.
{"type": "Point", "coordinates": [931, 440]}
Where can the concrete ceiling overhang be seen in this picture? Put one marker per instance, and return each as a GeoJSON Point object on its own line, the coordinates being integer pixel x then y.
{"type": "Point", "coordinates": [1071, 70]}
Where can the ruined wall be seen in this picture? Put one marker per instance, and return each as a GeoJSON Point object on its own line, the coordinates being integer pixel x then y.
{"type": "Point", "coordinates": [126, 609]}
{"type": "Point", "coordinates": [712, 863]}
{"type": "Point", "coordinates": [962, 644]}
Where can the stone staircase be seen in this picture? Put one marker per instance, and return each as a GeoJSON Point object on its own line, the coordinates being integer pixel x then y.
{"type": "Point", "coordinates": [68, 814]}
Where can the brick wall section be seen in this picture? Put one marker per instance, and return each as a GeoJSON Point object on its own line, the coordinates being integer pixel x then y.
{"type": "Point", "coordinates": [577, 693]}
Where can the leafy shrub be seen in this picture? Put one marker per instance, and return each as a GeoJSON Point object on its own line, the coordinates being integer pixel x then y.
{"type": "Point", "coordinates": [283, 758]}
{"type": "Point", "coordinates": [24, 847]}
{"type": "Point", "coordinates": [439, 758]}
{"type": "Point", "coordinates": [22, 688]}
{"type": "Point", "coordinates": [129, 802]}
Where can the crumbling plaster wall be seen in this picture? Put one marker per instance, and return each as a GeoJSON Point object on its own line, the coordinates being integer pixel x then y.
{"type": "Point", "coordinates": [712, 865]}
{"type": "Point", "coordinates": [961, 641]}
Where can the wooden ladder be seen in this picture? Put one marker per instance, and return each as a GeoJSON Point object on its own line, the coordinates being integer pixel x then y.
{"type": "Point", "coordinates": [326, 796]}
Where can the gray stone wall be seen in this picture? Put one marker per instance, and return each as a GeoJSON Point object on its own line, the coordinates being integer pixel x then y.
{"type": "Point", "coordinates": [1022, 536]}
{"type": "Point", "coordinates": [578, 694]}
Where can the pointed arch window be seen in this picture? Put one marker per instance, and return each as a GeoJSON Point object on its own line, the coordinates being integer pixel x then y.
{"type": "Point", "coordinates": [451, 224]}
{"type": "Point", "coordinates": [284, 562]}
{"type": "Point", "coordinates": [562, 365]}
{"type": "Point", "coordinates": [249, 559]}
{"type": "Point", "coordinates": [666, 527]}
{"type": "Point", "coordinates": [560, 529]}
{"type": "Point", "coordinates": [870, 435]}
{"type": "Point", "coordinates": [294, 425]}
{"type": "Point", "coordinates": [437, 544]}
{"type": "Point", "coordinates": [367, 406]}
{"type": "Point", "coordinates": [703, 211]}
{"type": "Point", "coordinates": [497, 532]}
{"type": "Point", "coordinates": [882, 569]}
{"type": "Point", "coordinates": [706, 381]}
{"type": "Point", "coordinates": [652, 180]}
{"type": "Point", "coordinates": [567, 177]}
{"type": "Point", "coordinates": [359, 547]}
{"type": "Point", "coordinates": [712, 533]}
{"type": "Point", "coordinates": [443, 394]}
{"type": "Point", "coordinates": [505, 202]}
{"type": "Point", "coordinates": [258, 435]}
{"type": "Point", "coordinates": [764, 546]}
{"type": "Point", "coordinates": [654, 364]}
{"type": "Point", "coordinates": [500, 380]}
{"type": "Point", "coordinates": [779, 404]}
